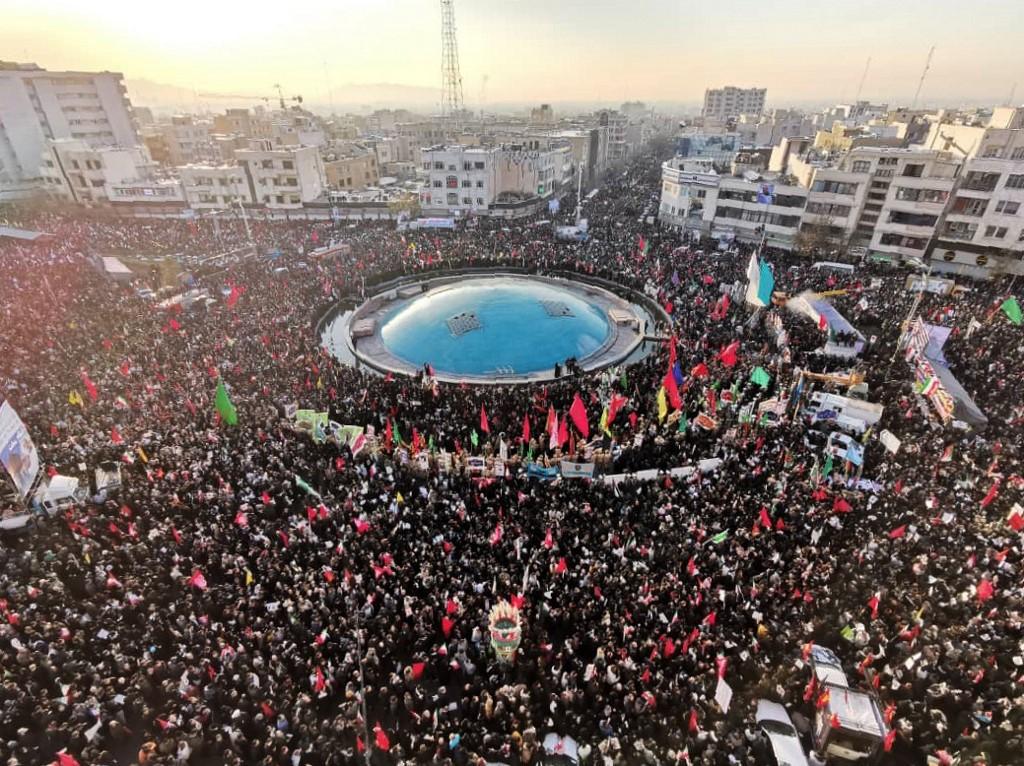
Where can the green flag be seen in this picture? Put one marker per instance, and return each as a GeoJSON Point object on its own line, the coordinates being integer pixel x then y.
{"type": "Point", "coordinates": [847, 633]}
{"type": "Point", "coordinates": [720, 537]}
{"type": "Point", "coordinates": [684, 422]}
{"type": "Point", "coordinates": [828, 466]}
{"type": "Point", "coordinates": [430, 443]}
{"type": "Point", "coordinates": [761, 377]}
{"type": "Point", "coordinates": [398, 436]}
{"type": "Point", "coordinates": [225, 408]}
{"type": "Point", "coordinates": [1011, 308]}
{"type": "Point", "coordinates": [301, 484]}
{"type": "Point", "coordinates": [474, 439]}
{"type": "Point", "coordinates": [623, 381]}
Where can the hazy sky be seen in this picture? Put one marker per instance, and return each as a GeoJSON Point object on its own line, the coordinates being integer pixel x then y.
{"type": "Point", "coordinates": [539, 50]}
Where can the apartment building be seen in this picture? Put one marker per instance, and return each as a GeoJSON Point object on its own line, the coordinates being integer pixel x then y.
{"type": "Point", "coordinates": [353, 170]}
{"type": "Point", "coordinates": [37, 105]}
{"type": "Point", "coordinates": [688, 189]}
{"type": "Point", "coordinates": [182, 141]}
{"type": "Point", "coordinates": [73, 171]}
{"type": "Point", "coordinates": [215, 187]}
{"type": "Point", "coordinates": [729, 102]}
{"type": "Point", "coordinates": [282, 178]}
{"type": "Point", "coordinates": [983, 227]}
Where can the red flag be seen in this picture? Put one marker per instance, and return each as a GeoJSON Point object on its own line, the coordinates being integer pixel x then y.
{"type": "Point", "coordinates": [517, 601]}
{"type": "Point", "coordinates": [417, 670]}
{"type": "Point", "coordinates": [710, 619]}
{"type": "Point", "coordinates": [197, 580]}
{"type": "Point", "coordinates": [360, 747]}
{"type": "Point", "coordinates": [766, 520]}
{"type": "Point", "coordinates": [64, 759]}
{"type": "Point", "coordinates": [1016, 521]}
{"type": "Point", "coordinates": [176, 535]}
{"type": "Point", "coordinates": [484, 426]}
{"type": "Point", "coordinates": [672, 351]}
{"type": "Point", "coordinates": [451, 607]}
{"type": "Point", "coordinates": [126, 368]}
{"type": "Point", "coordinates": [321, 683]}
{"type": "Point", "coordinates": [236, 293]}
{"type": "Point", "coordinates": [90, 387]}
{"type": "Point", "coordinates": [578, 413]}
{"type": "Point", "coordinates": [841, 506]}
{"type": "Point", "coordinates": [985, 590]}
{"type": "Point", "coordinates": [329, 575]}
{"type": "Point", "coordinates": [284, 537]}
{"type": "Point", "coordinates": [526, 429]}
{"type": "Point", "coordinates": [267, 711]}
{"type": "Point", "coordinates": [834, 721]}
{"type": "Point", "coordinates": [362, 526]}
{"type": "Point", "coordinates": [563, 431]}
{"type": "Point", "coordinates": [388, 435]}
{"type": "Point", "coordinates": [446, 626]}
{"type": "Point", "coordinates": [712, 398]}
{"type": "Point", "coordinates": [549, 541]}
{"type": "Point", "coordinates": [496, 534]}
{"type": "Point", "coordinates": [822, 323]}
{"type": "Point", "coordinates": [899, 532]}
{"type": "Point", "coordinates": [721, 663]}
{"type": "Point", "coordinates": [669, 648]}
{"type": "Point", "coordinates": [561, 566]}
{"type": "Point", "coordinates": [381, 738]}
{"type": "Point", "coordinates": [669, 382]}
{"type": "Point", "coordinates": [728, 355]}
{"type": "Point", "coordinates": [700, 371]}
{"type": "Point", "coordinates": [693, 725]}
{"type": "Point", "coordinates": [241, 519]}
{"type": "Point", "coordinates": [823, 699]}
{"type": "Point", "coordinates": [614, 406]}
{"type": "Point", "coordinates": [873, 603]}
{"type": "Point", "coordinates": [992, 492]}
{"type": "Point", "coordinates": [890, 739]}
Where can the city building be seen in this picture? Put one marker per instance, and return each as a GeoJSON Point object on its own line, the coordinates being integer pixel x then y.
{"type": "Point", "coordinates": [687, 188]}
{"type": "Point", "coordinates": [182, 141]}
{"type": "Point", "coordinates": [983, 227]}
{"type": "Point", "coordinates": [542, 115]}
{"type": "Point", "coordinates": [353, 167]}
{"type": "Point", "coordinates": [282, 177]}
{"type": "Point", "coordinates": [74, 171]}
{"type": "Point", "coordinates": [729, 102]}
{"type": "Point", "coordinates": [215, 187]}
{"type": "Point", "coordinates": [37, 105]}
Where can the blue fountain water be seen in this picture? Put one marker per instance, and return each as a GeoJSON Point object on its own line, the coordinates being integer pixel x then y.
{"type": "Point", "coordinates": [495, 325]}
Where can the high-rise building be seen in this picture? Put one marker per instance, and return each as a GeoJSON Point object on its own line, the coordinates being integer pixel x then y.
{"type": "Point", "coordinates": [730, 101]}
{"type": "Point", "coordinates": [37, 106]}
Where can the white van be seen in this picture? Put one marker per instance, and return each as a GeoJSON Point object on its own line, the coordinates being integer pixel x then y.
{"type": "Point", "coordinates": [869, 412]}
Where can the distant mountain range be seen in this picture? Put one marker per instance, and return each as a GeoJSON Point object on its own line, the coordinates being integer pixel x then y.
{"type": "Point", "coordinates": [358, 97]}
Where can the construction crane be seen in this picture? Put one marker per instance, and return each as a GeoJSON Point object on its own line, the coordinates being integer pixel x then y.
{"type": "Point", "coordinates": [281, 98]}
{"type": "Point", "coordinates": [920, 83]}
{"type": "Point", "coordinates": [219, 96]}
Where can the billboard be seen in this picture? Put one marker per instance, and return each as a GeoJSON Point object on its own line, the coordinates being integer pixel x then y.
{"type": "Point", "coordinates": [17, 451]}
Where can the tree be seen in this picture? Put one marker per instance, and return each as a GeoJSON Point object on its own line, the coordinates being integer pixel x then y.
{"type": "Point", "coordinates": [409, 205]}
{"type": "Point", "coordinates": [822, 237]}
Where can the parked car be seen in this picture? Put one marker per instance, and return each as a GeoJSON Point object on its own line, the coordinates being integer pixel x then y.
{"type": "Point", "coordinates": [782, 736]}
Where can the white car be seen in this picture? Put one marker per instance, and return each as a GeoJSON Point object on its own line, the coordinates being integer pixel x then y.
{"type": "Point", "coordinates": [774, 722]}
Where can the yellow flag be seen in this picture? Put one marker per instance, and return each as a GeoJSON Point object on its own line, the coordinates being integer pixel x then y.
{"type": "Point", "coordinates": [662, 404]}
{"type": "Point", "coordinates": [319, 384]}
{"type": "Point", "coordinates": [142, 454]}
{"type": "Point", "coordinates": [399, 497]}
{"type": "Point", "coordinates": [248, 577]}
{"type": "Point", "coordinates": [75, 398]}
{"type": "Point", "coordinates": [604, 421]}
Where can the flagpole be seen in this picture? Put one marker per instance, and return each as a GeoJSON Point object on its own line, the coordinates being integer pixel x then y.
{"type": "Point", "coordinates": [362, 683]}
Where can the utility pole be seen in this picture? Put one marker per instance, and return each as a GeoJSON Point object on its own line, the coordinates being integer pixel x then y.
{"type": "Point", "coordinates": [579, 192]}
{"type": "Point", "coordinates": [927, 66]}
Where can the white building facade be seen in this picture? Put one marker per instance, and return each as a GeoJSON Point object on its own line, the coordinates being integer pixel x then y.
{"type": "Point", "coordinates": [37, 106]}
{"type": "Point", "coordinates": [730, 101]}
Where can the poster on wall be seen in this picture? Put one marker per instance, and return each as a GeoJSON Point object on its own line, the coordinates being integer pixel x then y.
{"type": "Point", "coordinates": [17, 450]}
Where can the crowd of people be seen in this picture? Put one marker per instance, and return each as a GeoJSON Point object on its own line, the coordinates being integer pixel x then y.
{"type": "Point", "coordinates": [252, 596]}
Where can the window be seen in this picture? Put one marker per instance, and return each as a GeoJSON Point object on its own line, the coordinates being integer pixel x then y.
{"type": "Point", "coordinates": [267, 164]}
{"type": "Point", "coordinates": [908, 194]}
{"type": "Point", "coordinates": [452, 182]}
{"type": "Point", "coordinates": [884, 172]}
{"type": "Point", "coordinates": [898, 240]}
{"type": "Point", "coordinates": [288, 165]}
{"type": "Point", "coordinates": [280, 199]}
{"type": "Point", "coordinates": [912, 219]}
{"type": "Point", "coordinates": [467, 165]}
{"type": "Point", "coordinates": [453, 198]}
{"type": "Point", "coordinates": [480, 201]}
{"type": "Point", "coordinates": [291, 181]}
{"type": "Point", "coordinates": [888, 161]}
{"type": "Point", "coordinates": [467, 184]}
{"type": "Point", "coordinates": [978, 181]}
{"type": "Point", "coordinates": [993, 151]}
{"type": "Point", "coordinates": [1015, 181]}
{"type": "Point", "coordinates": [479, 184]}
{"type": "Point", "coordinates": [467, 200]}
{"type": "Point", "coordinates": [995, 231]}
{"type": "Point", "coordinates": [478, 166]}
{"type": "Point", "coordinates": [835, 187]}
{"type": "Point", "coordinates": [437, 183]}
{"type": "Point", "coordinates": [438, 166]}
{"type": "Point", "coordinates": [74, 164]}
{"type": "Point", "coordinates": [426, 166]}
{"type": "Point", "coordinates": [960, 230]}
{"type": "Point", "coordinates": [1018, 154]}
{"type": "Point", "coordinates": [1006, 207]}
{"type": "Point", "coordinates": [969, 206]}
{"type": "Point", "coordinates": [861, 166]}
